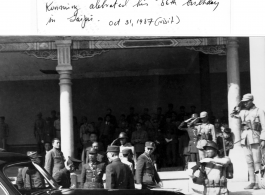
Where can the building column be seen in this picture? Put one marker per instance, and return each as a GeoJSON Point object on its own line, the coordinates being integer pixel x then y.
{"type": "Point", "coordinates": [64, 68]}
{"type": "Point", "coordinates": [233, 82]}
{"type": "Point", "coordinates": [257, 70]}
{"type": "Point", "coordinates": [205, 82]}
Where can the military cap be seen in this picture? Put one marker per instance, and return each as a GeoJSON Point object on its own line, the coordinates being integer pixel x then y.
{"type": "Point", "coordinates": [247, 97]}
{"type": "Point", "coordinates": [33, 154]}
{"type": "Point", "coordinates": [123, 135]}
{"type": "Point", "coordinates": [227, 130]}
{"type": "Point", "coordinates": [211, 144]}
{"type": "Point", "coordinates": [203, 114]}
{"type": "Point", "coordinates": [73, 161]}
{"type": "Point", "coordinates": [113, 148]}
{"type": "Point", "coordinates": [150, 144]}
{"type": "Point", "coordinates": [92, 151]}
{"type": "Point", "coordinates": [127, 151]}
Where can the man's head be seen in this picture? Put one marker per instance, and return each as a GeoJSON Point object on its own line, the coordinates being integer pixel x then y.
{"type": "Point", "coordinates": [47, 146]}
{"type": "Point", "coordinates": [149, 147]}
{"type": "Point", "coordinates": [138, 126]}
{"type": "Point", "coordinates": [34, 156]}
{"type": "Point", "coordinates": [93, 137]}
{"type": "Point", "coordinates": [113, 152]}
{"type": "Point", "coordinates": [123, 138]}
{"type": "Point", "coordinates": [127, 153]}
{"type": "Point", "coordinates": [204, 116]}
{"type": "Point", "coordinates": [72, 164]}
{"type": "Point", "coordinates": [227, 133]}
{"type": "Point", "coordinates": [247, 100]}
{"type": "Point", "coordinates": [95, 146]}
{"type": "Point", "coordinates": [92, 155]}
{"type": "Point", "coordinates": [210, 149]}
{"type": "Point", "coordinates": [56, 143]}
{"type": "Point", "coordinates": [217, 123]}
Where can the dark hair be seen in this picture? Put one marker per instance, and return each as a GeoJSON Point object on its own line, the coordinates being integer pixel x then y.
{"type": "Point", "coordinates": [55, 139]}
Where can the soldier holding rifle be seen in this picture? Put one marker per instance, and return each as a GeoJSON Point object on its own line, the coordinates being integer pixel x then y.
{"type": "Point", "coordinates": [252, 135]}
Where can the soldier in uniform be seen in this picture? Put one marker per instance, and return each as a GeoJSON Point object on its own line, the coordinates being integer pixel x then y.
{"type": "Point", "coordinates": [252, 135]}
{"type": "Point", "coordinates": [62, 177]}
{"type": "Point", "coordinates": [92, 172]}
{"type": "Point", "coordinates": [29, 177]}
{"type": "Point", "coordinates": [124, 144]}
{"type": "Point", "coordinates": [118, 175]}
{"type": "Point", "coordinates": [146, 175]}
{"type": "Point", "coordinates": [211, 172]}
{"type": "Point", "coordinates": [205, 132]}
{"type": "Point", "coordinates": [54, 159]}
{"type": "Point", "coordinates": [189, 126]}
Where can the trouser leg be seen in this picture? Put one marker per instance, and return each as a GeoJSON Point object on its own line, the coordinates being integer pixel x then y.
{"type": "Point", "coordinates": [256, 153]}
{"type": "Point", "coordinates": [250, 162]}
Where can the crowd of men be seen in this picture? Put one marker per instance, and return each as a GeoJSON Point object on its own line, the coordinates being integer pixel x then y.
{"type": "Point", "coordinates": [164, 129]}
{"type": "Point", "coordinates": [122, 164]}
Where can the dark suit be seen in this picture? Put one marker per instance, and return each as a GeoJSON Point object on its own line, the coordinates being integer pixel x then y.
{"type": "Point", "coordinates": [63, 178]}
{"type": "Point", "coordinates": [119, 176]}
{"type": "Point", "coordinates": [146, 173]}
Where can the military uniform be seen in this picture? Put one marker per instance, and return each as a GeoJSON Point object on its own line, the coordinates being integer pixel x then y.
{"type": "Point", "coordinates": [54, 161]}
{"type": "Point", "coordinates": [118, 175]}
{"type": "Point", "coordinates": [252, 133]}
{"type": "Point", "coordinates": [29, 179]}
{"type": "Point", "coordinates": [63, 178]}
{"type": "Point", "coordinates": [205, 132]}
{"type": "Point", "coordinates": [193, 134]}
{"type": "Point", "coordinates": [91, 175]}
{"type": "Point", "coordinates": [146, 173]}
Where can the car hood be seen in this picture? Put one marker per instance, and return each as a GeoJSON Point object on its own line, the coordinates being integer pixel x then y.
{"type": "Point", "coordinates": [111, 192]}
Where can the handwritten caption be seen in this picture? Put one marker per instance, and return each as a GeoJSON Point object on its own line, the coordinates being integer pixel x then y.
{"type": "Point", "coordinates": [85, 14]}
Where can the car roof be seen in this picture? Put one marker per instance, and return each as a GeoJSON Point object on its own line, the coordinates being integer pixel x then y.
{"type": "Point", "coordinates": [10, 157]}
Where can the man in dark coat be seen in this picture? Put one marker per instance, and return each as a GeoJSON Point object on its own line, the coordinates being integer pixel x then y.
{"type": "Point", "coordinates": [118, 175]}
{"type": "Point", "coordinates": [62, 177]}
{"type": "Point", "coordinates": [146, 174]}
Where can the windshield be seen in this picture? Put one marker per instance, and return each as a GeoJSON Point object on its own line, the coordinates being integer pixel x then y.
{"type": "Point", "coordinates": [29, 176]}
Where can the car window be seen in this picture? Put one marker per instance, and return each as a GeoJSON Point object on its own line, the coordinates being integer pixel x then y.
{"type": "Point", "coordinates": [26, 176]}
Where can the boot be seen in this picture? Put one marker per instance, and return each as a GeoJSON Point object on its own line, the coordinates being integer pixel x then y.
{"type": "Point", "coordinates": [256, 187]}
{"type": "Point", "coordinates": [250, 186]}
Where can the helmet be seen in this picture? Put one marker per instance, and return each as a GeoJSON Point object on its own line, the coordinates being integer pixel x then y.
{"type": "Point", "coordinates": [123, 135]}
{"type": "Point", "coordinates": [211, 144]}
{"type": "Point", "coordinates": [194, 115]}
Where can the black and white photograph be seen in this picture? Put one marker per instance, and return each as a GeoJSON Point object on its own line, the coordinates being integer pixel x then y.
{"type": "Point", "coordinates": [95, 107]}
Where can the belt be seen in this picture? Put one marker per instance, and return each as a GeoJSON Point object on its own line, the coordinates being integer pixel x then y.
{"type": "Point", "coordinates": [93, 180]}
